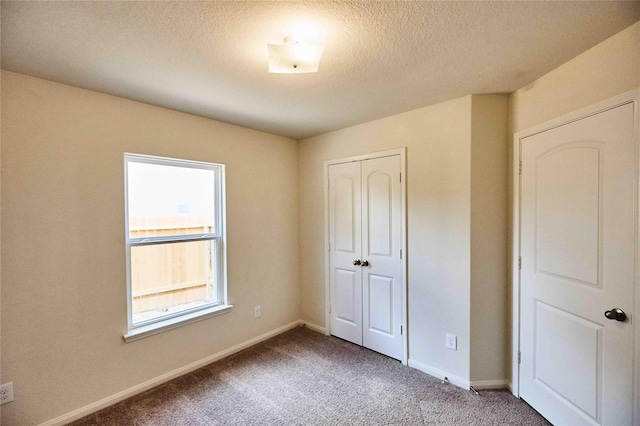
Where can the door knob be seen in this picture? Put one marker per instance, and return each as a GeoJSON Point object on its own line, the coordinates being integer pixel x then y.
{"type": "Point", "coordinates": [616, 314]}
{"type": "Point", "coordinates": [365, 263]}
{"type": "Point", "coordinates": [357, 262]}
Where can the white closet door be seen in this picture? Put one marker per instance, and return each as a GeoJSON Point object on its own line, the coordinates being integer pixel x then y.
{"type": "Point", "coordinates": [577, 250]}
{"type": "Point", "coordinates": [382, 265]}
{"type": "Point", "coordinates": [346, 247]}
{"type": "Point", "coordinates": [365, 235]}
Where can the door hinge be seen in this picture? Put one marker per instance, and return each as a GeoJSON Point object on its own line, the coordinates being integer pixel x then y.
{"type": "Point", "coordinates": [520, 168]}
{"type": "Point", "coordinates": [400, 253]}
{"type": "Point", "coordinates": [329, 245]}
{"type": "Point", "coordinates": [401, 330]}
{"type": "Point", "coordinates": [329, 308]}
{"type": "Point", "coordinates": [400, 177]}
{"type": "Point", "coordinates": [519, 357]}
{"type": "Point", "coordinates": [519, 262]}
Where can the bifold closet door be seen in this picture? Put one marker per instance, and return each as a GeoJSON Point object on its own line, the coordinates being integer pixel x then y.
{"type": "Point", "coordinates": [365, 220]}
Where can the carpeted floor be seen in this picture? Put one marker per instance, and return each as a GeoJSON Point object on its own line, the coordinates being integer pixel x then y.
{"type": "Point", "coordinates": [304, 378]}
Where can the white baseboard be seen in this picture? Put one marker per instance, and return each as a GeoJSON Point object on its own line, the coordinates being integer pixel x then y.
{"type": "Point", "coordinates": [127, 393]}
{"type": "Point", "coordinates": [315, 327]}
{"type": "Point", "coordinates": [439, 374]}
{"type": "Point", "coordinates": [491, 384]}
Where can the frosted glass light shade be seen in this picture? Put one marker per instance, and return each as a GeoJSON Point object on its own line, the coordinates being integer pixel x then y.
{"type": "Point", "coordinates": [294, 57]}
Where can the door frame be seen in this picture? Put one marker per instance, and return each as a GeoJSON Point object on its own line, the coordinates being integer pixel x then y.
{"type": "Point", "coordinates": [403, 200]}
{"type": "Point", "coordinates": [632, 96]}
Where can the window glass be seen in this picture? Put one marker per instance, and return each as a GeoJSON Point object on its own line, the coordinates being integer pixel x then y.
{"type": "Point", "coordinates": [168, 200]}
{"type": "Point", "coordinates": [170, 278]}
{"type": "Point", "coordinates": [175, 235]}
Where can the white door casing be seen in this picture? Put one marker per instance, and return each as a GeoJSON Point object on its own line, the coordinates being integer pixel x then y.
{"type": "Point", "coordinates": [577, 237]}
{"type": "Point", "coordinates": [364, 205]}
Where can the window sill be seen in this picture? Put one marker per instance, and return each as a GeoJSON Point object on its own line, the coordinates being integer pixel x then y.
{"type": "Point", "coordinates": [169, 324]}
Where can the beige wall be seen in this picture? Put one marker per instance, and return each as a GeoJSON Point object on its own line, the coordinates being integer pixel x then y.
{"type": "Point", "coordinates": [0, 241]}
{"type": "Point", "coordinates": [457, 215]}
{"type": "Point", "coordinates": [608, 69]}
{"type": "Point", "coordinates": [438, 188]}
{"type": "Point", "coordinates": [489, 292]}
{"type": "Point", "coordinates": [63, 258]}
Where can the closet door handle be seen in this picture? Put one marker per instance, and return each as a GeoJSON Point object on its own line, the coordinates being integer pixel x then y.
{"type": "Point", "coordinates": [616, 314]}
{"type": "Point", "coordinates": [357, 262]}
{"type": "Point", "coordinates": [365, 263]}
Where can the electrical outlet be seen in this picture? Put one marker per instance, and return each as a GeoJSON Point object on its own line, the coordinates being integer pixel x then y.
{"type": "Point", "coordinates": [452, 342]}
{"type": "Point", "coordinates": [6, 393]}
{"type": "Point", "coordinates": [257, 312]}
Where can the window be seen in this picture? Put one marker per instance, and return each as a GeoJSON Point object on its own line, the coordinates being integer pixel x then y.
{"type": "Point", "coordinates": [175, 240]}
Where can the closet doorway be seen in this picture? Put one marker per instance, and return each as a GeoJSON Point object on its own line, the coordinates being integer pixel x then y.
{"type": "Point", "coordinates": [366, 255]}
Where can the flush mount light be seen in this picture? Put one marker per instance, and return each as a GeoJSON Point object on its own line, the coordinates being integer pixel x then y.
{"type": "Point", "coordinates": [300, 52]}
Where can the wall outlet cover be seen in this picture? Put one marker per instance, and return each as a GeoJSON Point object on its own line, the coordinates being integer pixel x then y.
{"type": "Point", "coordinates": [452, 342]}
{"type": "Point", "coordinates": [257, 312]}
{"type": "Point", "coordinates": [6, 393]}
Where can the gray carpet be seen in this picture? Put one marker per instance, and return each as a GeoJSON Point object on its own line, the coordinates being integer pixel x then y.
{"type": "Point", "coordinates": [304, 378]}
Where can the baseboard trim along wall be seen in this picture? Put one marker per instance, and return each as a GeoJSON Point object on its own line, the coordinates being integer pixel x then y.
{"type": "Point", "coordinates": [458, 381]}
{"type": "Point", "coordinates": [491, 384]}
{"type": "Point", "coordinates": [440, 374]}
{"type": "Point", "coordinates": [315, 327]}
{"type": "Point", "coordinates": [127, 393]}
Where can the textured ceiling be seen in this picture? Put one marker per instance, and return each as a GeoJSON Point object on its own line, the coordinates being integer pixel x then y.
{"type": "Point", "coordinates": [381, 58]}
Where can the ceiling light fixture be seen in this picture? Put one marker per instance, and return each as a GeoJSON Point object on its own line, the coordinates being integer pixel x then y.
{"type": "Point", "coordinates": [300, 52]}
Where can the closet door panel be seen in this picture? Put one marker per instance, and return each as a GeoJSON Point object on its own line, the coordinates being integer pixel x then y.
{"type": "Point", "coordinates": [382, 264]}
{"type": "Point", "coordinates": [345, 241]}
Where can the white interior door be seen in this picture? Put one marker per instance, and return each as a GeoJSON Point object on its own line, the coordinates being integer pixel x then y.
{"type": "Point", "coordinates": [365, 239]}
{"type": "Point", "coordinates": [381, 244]}
{"type": "Point", "coordinates": [577, 248]}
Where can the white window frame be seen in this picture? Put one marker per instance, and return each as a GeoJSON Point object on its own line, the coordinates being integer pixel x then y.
{"type": "Point", "coordinates": [220, 305]}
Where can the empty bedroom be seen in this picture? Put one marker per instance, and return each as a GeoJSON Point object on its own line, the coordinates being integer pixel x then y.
{"type": "Point", "coordinates": [319, 212]}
